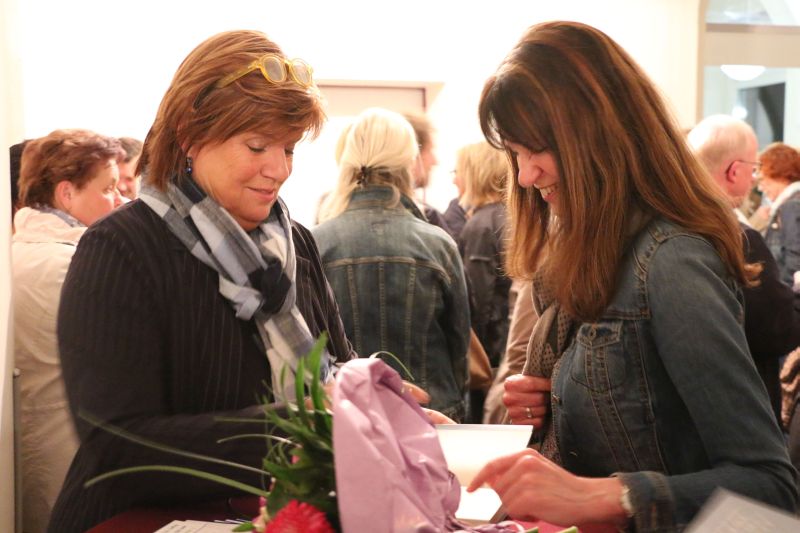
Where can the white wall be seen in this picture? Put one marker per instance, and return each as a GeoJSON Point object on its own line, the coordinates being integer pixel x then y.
{"type": "Point", "coordinates": [107, 71]}
{"type": "Point", "coordinates": [10, 129]}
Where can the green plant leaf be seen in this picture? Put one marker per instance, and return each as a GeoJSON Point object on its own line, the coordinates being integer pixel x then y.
{"type": "Point", "coordinates": [315, 366]}
{"type": "Point", "coordinates": [115, 430]}
{"type": "Point", "coordinates": [376, 355]}
{"type": "Point", "coordinates": [244, 487]}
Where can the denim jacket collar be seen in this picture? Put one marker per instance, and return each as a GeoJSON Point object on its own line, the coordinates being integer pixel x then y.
{"type": "Point", "coordinates": [383, 196]}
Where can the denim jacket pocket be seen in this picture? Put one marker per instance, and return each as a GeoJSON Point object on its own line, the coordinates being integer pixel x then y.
{"type": "Point", "coordinates": [599, 363]}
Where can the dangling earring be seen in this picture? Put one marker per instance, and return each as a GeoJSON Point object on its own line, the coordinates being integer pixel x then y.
{"type": "Point", "coordinates": [188, 169]}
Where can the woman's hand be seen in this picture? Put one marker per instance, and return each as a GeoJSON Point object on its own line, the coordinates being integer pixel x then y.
{"type": "Point", "coordinates": [418, 393]}
{"type": "Point", "coordinates": [527, 399]}
{"type": "Point", "coordinates": [534, 488]}
{"type": "Point", "coordinates": [423, 398]}
{"type": "Point", "coordinates": [437, 417]}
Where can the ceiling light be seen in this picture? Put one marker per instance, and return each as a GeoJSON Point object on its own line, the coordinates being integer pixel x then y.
{"type": "Point", "coordinates": [743, 72]}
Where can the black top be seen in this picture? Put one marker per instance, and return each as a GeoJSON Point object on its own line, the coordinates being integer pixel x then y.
{"type": "Point", "coordinates": [455, 217]}
{"type": "Point", "coordinates": [771, 316]}
{"type": "Point", "coordinates": [148, 344]}
{"type": "Point", "coordinates": [435, 217]}
{"type": "Point", "coordinates": [482, 247]}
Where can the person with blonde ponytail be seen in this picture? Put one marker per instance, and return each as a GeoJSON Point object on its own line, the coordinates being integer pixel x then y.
{"type": "Point", "coordinates": [398, 280]}
{"type": "Point", "coordinates": [638, 378]}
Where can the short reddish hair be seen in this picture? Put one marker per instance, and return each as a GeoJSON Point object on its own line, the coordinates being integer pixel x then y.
{"type": "Point", "coordinates": [194, 112]}
{"type": "Point", "coordinates": [71, 155]}
{"type": "Point", "coordinates": [781, 162]}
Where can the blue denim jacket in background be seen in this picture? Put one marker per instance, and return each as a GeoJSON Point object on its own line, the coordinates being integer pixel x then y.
{"type": "Point", "coordinates": [662, 390]}
{"type": "Point", "coordinates": [399, 283]}
{"type": "Point", "coordinates": [783, 238]}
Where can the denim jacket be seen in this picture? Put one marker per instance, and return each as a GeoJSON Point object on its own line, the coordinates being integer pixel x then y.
{"type": "Point", "coordinates": [662, 391]}
{"type": "Point", "coordinates": [783, 237]}
{"type": "Point", "coordinates": [399, 283]}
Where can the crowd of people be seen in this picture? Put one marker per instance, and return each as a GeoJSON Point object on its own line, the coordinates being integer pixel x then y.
{"type": "Point", "coordinates": [595, 277]}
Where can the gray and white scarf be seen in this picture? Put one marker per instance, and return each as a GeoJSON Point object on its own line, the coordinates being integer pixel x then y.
{"type": "Point", "coordinates": [551, 336]}
{"type": "Point", "coordinates": [256, 271]}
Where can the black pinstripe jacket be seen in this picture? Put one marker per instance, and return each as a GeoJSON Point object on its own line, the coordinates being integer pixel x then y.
{"type": "Point", "coordinates": [149, 345]}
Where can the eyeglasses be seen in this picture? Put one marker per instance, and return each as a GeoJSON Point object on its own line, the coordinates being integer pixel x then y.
{"type": "Point", "coordinates": [756, 166]}
{"type": "Point", "coordinates": [275, 69]}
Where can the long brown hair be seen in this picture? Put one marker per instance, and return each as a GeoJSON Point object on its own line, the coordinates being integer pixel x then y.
{"type": "Point", "coordinates": [195, 113]}
{"type": "Point", "coordinates": [569, 89]}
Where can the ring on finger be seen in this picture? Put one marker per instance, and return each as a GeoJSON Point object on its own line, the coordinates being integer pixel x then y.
{"type": "Point", "coordinates": [528, 412]}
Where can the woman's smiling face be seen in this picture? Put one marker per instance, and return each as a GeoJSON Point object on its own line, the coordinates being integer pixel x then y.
{"type": "Point", "coordinates": [244, 174]}
{"type": "Point", "coordinates": [538, 170]}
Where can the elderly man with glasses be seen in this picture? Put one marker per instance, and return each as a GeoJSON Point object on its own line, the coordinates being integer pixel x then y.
{"type": "Point", "coordinates": [728, 149]}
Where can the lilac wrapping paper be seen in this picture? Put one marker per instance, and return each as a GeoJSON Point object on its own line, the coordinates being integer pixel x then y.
{"type": "Point", "coordinates": [391, 474]}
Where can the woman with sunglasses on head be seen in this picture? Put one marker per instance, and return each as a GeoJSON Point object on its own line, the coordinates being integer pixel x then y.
{"type": "Point", "coordinates": [226, 291]}
{"type": "Point", "coordinates": [779, 181]}
{"type": "Point", "coordinates": [638, 376]}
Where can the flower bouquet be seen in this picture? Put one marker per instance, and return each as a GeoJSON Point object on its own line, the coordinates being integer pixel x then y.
{"type": "Point", "coordinates": [302, 497]}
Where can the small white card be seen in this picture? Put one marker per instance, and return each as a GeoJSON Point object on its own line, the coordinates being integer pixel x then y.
{"type": "Point", "coordinates": [195, 526]}
{"type": "Point", "coordinates": [480, 507]}
{"type": "Point", "coordinates": [727, 512]}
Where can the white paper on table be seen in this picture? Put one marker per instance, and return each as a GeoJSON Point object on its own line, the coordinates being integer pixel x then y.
{"type": "Point", "coordinates": [195, 526]}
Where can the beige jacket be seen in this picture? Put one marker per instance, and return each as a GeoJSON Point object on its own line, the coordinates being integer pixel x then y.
{"type": "Point", "coordinates": [523, 319]}
{"type": "Point", "coordinates": [41, 251]}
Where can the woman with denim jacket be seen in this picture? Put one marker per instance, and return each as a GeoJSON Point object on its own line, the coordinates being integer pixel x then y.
{"type": "Point", "coordinates": [398, 280]}
{"type": "Point", "coordinates": [779, 180]}
{"type": "Point", "coordinates": [638, 377]}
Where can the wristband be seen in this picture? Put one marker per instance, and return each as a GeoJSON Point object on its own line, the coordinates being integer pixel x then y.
{"type": "Point", "coordinates": [625, 501]}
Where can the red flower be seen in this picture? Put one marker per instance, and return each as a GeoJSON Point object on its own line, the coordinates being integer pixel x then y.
{"type": "Point", "coordinates": [297, 517]}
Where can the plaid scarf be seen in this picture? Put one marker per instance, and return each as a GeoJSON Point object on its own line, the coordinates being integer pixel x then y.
{"type": "Point", "coordinates": [256, 271]}
{"type": "Point", "coordinates": [551, 336]}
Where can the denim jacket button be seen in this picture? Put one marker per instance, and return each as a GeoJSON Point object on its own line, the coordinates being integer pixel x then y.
{"type": "Point", "coordinates": [592, 333]}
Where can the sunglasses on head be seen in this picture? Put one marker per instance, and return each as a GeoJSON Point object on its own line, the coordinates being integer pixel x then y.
{"type": "Point", "coordinates": [275, 69]}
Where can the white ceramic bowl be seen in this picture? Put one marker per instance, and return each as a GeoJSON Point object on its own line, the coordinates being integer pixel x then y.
{"type": "Point", "coordinates": [468, 447]}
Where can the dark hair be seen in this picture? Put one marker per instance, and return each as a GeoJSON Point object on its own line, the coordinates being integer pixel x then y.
{"type": "Point", "coordinates": [132, 147]}
{"type": "Point", "coordinates": [71, 155]}
{"type": "Point", "coordinates": [195, 113]}
{"type": "Point", "coordinates": [569, 89]}
{"type": "Point", "coordinates": [15, 161]}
